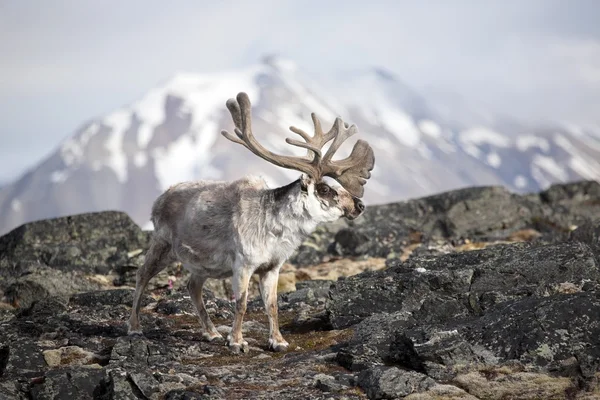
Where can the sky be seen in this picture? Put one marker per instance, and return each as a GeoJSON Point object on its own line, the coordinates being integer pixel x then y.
{"type": "Point", "coordinates": [64, 62]}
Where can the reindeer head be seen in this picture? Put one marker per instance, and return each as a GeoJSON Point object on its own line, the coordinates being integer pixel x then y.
{"type": "Point", "coordinates": [322, 200]}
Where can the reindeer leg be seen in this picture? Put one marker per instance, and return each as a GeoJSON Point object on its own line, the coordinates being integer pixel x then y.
{"type": "Point", "coordinates": [156, 260]}
{"type": "Point", "coordinates": [240, 281]}
{"type": "Point", "coordinates": [268, 291]}
{"type": "Point", "coordinates": [195, 285]}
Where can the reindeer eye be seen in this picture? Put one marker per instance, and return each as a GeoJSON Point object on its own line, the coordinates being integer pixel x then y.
{"type": "Point", "coordinates": [323, 189]}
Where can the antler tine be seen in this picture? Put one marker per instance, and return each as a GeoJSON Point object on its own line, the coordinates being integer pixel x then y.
{"type": "Point", "coordinates": [240, 110]}
{"type": "Point", "coordinates": [342, 133]}
{"type": "Point", "coordinates": [236, 115]}
{"type": "Point", "coordinates": [300, 132]}
{"type": "Point", "coordinates": [313, 143]}
{"type": "Point", "coordinates": [315, 150]}
{"type": "Point", "coordinates": [351, 172]}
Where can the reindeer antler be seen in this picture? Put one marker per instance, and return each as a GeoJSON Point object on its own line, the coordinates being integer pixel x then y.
{"type": "Point", "coordinates": [352, 172]}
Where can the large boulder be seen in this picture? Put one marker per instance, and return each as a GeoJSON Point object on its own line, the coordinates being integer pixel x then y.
{"type": "Point", "coordinates": [93, 242]}
{"type": "Point", "coordinates": [484, 214]}
{"type": "Point", "coordinates": [62, 256]}
{"type": "Point", "coordinates": [558, 334]}
{"type": "Point", "coordinates": [436, 289]}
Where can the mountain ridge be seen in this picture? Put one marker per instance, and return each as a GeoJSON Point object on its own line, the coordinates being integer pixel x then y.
{"type": "Point", "coordinates": [124, 159]}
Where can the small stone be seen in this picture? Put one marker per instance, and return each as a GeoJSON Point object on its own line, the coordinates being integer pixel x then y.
{"type": "Point", "coordinates": [69, 355]}
{"type": "Point", "coordinates": [382, 382]}
{"type": "Point", "coordinates": [287, 282]}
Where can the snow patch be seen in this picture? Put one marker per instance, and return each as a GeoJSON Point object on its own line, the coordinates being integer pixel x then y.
{"type": "Point", "coordinates": [528, 141]}
{"type": "Point", "coordinates": [205, 95]}
{"type": "Point", "coordinates": [119, 121]}
{"type": "Point", "coordinates": [401, 125]}
{"type": "Point", "coordinates": [587, 169]}
{"type": "Point", "coordinates": [284, 64]}
{"type": "Point", "coordinates": [72, 149]}
{"type": "Point", "coordinates": [430, 128]}
{"type": "Point", "coordinates": [585, 166]}
{"type": "Point", "coordinates": [16, 205]}
{"type": "Point", "coordinates": [563, 142]}
{"type": "Point", "coordinates": [140, 159]}
{"type": "Point", "coordinates": [574, 129]}
{"type": "Point", "coordinates": [145, 134]}
{"type": "Point", "coordinates": [59, 176]}
{"type": "Point", "coordinates": [186, 159]}
{"type": "Point", "coordinates": [472, 150]}
{"type": "Point", "coordinates": [480, 135]}
{"type": "Point", "coordinates": [520, 182]}
{"type": "Point", "coordinates": [550, 166]}
{"type": "Point", "coordinates": [438, 336]}
{"type": "Point", "coordinates": [148, 226]}
{"type": "Point", "coordinates": [379, 107]}
{"type": "Point", "coordinates": [424, 151]}
{"type": "Point", "coordinates": [494, 160]}
{"type": "Point", "coordinates": [151, 108]}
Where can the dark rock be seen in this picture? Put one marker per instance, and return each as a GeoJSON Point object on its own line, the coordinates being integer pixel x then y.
{"type": "Point", "coordinates": [435, 351]}
{"type": "Point", "coordinates": [168, 307]}
{"type": "Point", "coordinates": [69, 384]}
{"type": "Point", "coordinates": [349, 242]}
{"type": "Point", "coordinates": [444, 314]}
{"type": "Point", "coordinates": [588, 233]}
{"type": "Point", "coordinates": [121, 386]}
{"type": "Point", "coordinates": [107, 298]}
{"type": "Point", "coordinates": [305, 295]}
{"type": "Point", "coordinates": [40, 282]}
{"type": "Point", "coordinates": [315, 247]}
{"type": "Point", "coordinates": [479, 214]}
{"type": "Point", "coordinates": [437, 289]}
{"type": "Point", "coordinates": [40, 311]}
{"type": "Point", "coordinates": [178, 302]}
{"type": "Point", "coordinates": [131, 350]}
{"type": "Point", "coordinates": [543, 331]}
{"type": "Point", "coordinates": [145, 383]}
{"type": "Point", "coordinates": [371, 340]}
{"type": "Point", "coordinates": [546, 332]}
{"type": "Point", "coordinates": [93, 243]}
{"type": "Point", "coordinates": [4, 355]}
{"type": "Point", "coordinates": [328, 383]}
{"type": "Point", "coordinates": [567, 205]}
{"type": "Point", "coordinates": [180, 394]}
{"type": "Point", "coordinates": [22, 357]}
{"type": "Point", "coordinates": [214, 392]}
{"type": "Point", "coordinates": [382, 382]}
{"type": "Point", "coordinates": [574, 192]}
{"type": "Point", "coordinates": [10, 391]}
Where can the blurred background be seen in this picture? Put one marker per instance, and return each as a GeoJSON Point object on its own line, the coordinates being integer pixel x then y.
{"type": "Point", "coordinates": [103, 105]}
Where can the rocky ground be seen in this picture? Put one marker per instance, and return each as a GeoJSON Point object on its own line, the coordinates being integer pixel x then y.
{"type": "Point", "coordinates": [472, 294]}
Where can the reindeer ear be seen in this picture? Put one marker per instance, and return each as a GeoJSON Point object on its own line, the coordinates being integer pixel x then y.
{"type": "Point", "coordinates": [305, 181]}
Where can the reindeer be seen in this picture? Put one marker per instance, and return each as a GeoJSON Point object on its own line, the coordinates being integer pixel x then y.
{"type": "Point", "coordinates": [223, 229]}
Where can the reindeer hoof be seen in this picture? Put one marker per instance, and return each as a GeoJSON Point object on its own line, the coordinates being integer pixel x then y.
{"type": "Point", "coordinates": [210, 336]}
{"type": "Point", "coordinates": [278, 346]}
{"type": "Point", "coordinates": [237, 348]}
{"type": "Point", "coordinates": [134, 331]}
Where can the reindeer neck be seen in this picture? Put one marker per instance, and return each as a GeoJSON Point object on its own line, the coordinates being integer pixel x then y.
{"type": "Point", "coordinates": [283, 209]}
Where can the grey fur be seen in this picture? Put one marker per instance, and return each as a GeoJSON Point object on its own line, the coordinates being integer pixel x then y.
{"type": "Point", "coordinates": [222, 229]}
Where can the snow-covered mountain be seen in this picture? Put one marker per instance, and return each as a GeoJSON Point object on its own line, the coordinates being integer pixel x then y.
{"type": "Point", "coordinates": [125, 159]}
